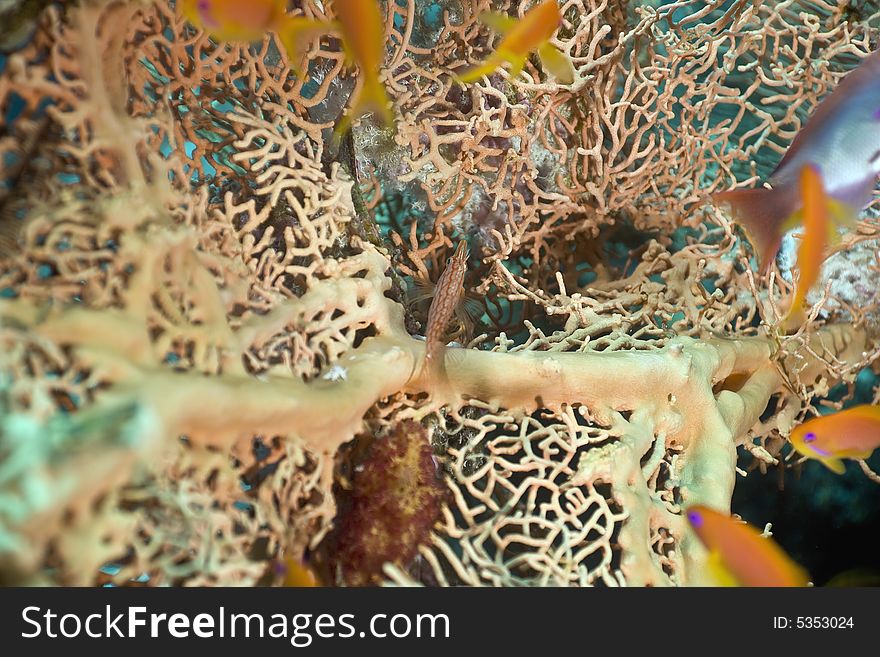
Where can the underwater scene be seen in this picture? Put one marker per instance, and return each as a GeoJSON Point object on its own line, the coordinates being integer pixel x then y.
{"type": "Point", "coordinates": [439, 293]}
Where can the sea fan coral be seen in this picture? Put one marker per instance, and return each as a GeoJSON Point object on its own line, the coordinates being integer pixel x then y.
{"type": "Point", "coordinates": [203, 296]}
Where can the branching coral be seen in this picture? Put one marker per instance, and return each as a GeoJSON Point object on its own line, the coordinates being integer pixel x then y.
{"type": "Point", "coordinates": [202, 299]}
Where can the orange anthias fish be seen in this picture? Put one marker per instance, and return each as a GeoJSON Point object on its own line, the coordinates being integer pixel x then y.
{"type": "Point", "coordinates": [522, 37]}
{"type": "Point", "coordinates": [842, 138]}
{"type": "Point", "coordinates": [853, 434]}
{"type": "Point", "coordinates": [739, 555]}
{"type": "Point", "coordinates": [358, 21]}
{"type": "Point", "coordinates": [363, 38]}
{"type": "Point", "coordinates": [249, 20]}
{"type": "Point", "coordinates": [447, 297]}
{"type": "Point", "coordinates": [818, 230]}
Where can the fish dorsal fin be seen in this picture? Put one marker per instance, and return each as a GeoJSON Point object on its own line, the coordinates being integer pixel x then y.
{"type": "Point", "coordinates": [422, 290]}
{"type": "Point", "coordinates": [499, 22]}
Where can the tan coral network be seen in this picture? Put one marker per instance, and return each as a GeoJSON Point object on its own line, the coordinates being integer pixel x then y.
{"type": "Point", "coordinates": [201, 297]}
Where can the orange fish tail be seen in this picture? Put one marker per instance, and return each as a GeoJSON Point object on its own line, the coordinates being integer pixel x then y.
{"type": "Point", "coordinates": [763, 213]}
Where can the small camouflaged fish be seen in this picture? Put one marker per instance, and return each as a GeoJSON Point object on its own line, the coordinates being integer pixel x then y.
{"type": "Point", "coordinates": [448, 295]}
{"type": "Point", "coordinates": [842, 139]}
{"type": "Point", "coordinates": [739, 555]}
{"type": "Point", "coordinates": [522, 37]}
{"type": "Point", "coordinates": [850, 434]}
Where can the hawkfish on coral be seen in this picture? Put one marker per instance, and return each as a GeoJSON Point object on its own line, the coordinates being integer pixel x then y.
{"type": "Point", "coordinates": [739, 555]}
{"type": "Point", "coordinates": [842, 139]}
{"type": "Point", "coordinates": [448, 295]}
{"type": "Point", "coordinates": [853, 434]}
{"type": "Point", "coordinates": [522, 37]}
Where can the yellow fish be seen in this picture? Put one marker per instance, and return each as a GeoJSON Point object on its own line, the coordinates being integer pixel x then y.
{"type": "Point", "coordinates": [359, 22]}
{"type": "Point", "coordinates": [249, 20]}
{"type": "Point", "coordinates": [739, 555]}
{"type": "Point", "coordinates": [853, 434]}
{"type": "Point", "coordinates": [522, 37]}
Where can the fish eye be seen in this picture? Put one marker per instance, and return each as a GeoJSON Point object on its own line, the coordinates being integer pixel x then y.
{"type": "Point", "coordinates": [695, 518]}
{"type": "Point", "coordinates": [809, 437]}
{"type": "Point", "coordinates": [449, 260]}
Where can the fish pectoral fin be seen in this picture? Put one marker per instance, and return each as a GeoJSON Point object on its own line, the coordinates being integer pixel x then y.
{"type": "Point", "coordinates": [718, 571]}
{"type": "Point", "coordinates": [842, 215]}
{"type": "Point", "coordinates": [834, 464]}
{"type": "Point", "coordinates": [557, 63]}
{"type": "Point", "coordinates": [794, 220]}
{"type": "Point", "coordinates": [486, 68]}
{"type": "Point", "coordinates": [296, 34]}
{"type": "Point", "coordinates": [421, 290]}
{"type": "Point", "coordinates": [499, 22]}
{"type": "Point", "coordinates": [517, 62]}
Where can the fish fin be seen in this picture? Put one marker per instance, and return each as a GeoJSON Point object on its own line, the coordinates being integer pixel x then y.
{"type": "Point", "coordinates": [501, 23]}
{"type": "Point", "coordinates": [835, 465]}
{"type": "Point", "coordinates": [718, 571]}
{"type": "Point", "coordinates": [842, 215]}
{"type": "Point", "coordinates": [188, 11]}
{"type": "Point", "coordinates": [488, 67]}
{"type": "Point", "coordinates": [421, 290]}
{"type": "Point", "coordinates": [372, 99]}
{"type": "Point", "coordinates": [762, 213]}
{"type": "Point", "coordinates": [466, 313]}
{"type": "Point", "coordinates": [796, 316]}
{"type": "Point", "coordinates": [517, 63]}
{"type": "Point", "coordinates": [296, 34]}
{"type": "Point", "coordinates": [473, 308]}
{"type": "Point", "coordinates": [557, 63]}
